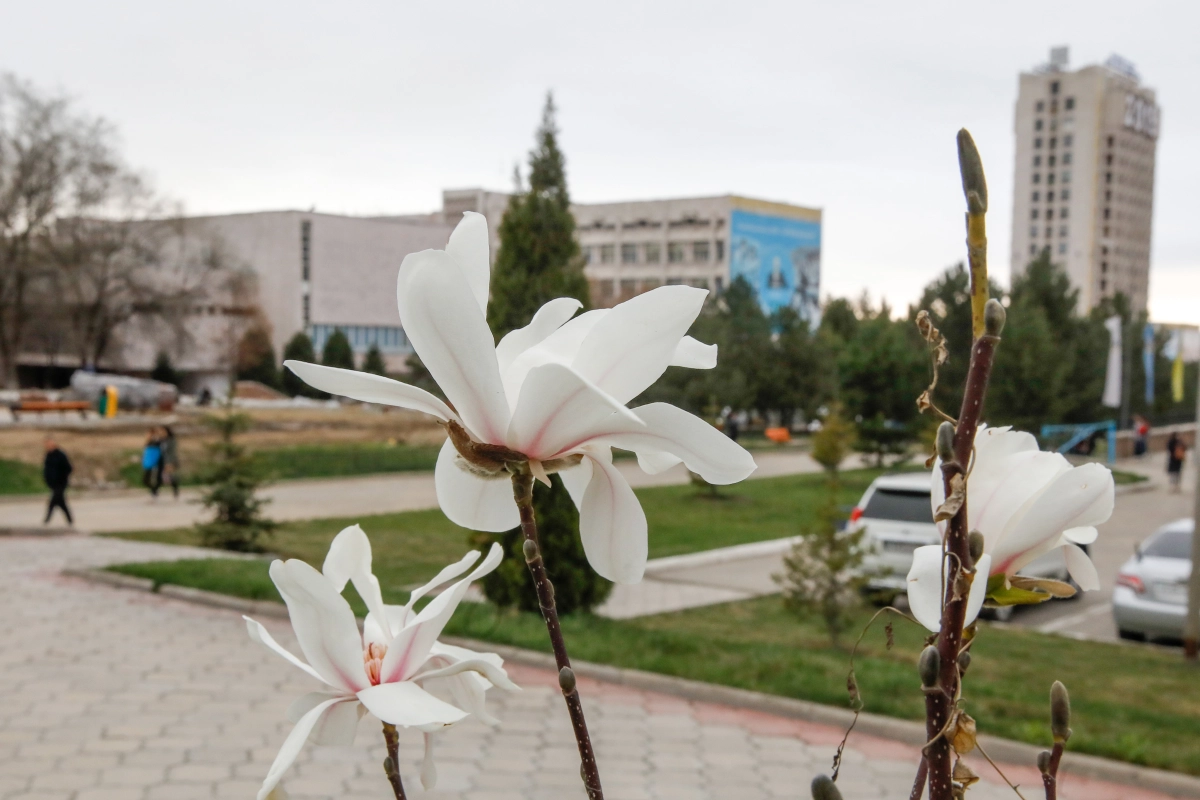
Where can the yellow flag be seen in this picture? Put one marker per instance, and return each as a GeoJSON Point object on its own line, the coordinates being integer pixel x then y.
{"type": "Point", "coordinates": [1177, 377]}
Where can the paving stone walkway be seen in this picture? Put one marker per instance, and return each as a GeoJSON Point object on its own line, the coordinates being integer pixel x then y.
{"type": "Point", "coordinates": [107, 694]}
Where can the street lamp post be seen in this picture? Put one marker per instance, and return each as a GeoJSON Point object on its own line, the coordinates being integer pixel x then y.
{"type": "Point", "coordinates": [1191, 625]}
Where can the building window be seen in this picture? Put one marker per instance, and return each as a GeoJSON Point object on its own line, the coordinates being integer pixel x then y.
{"type": "Point", "coordinates": [1108, 159]}
{"type": "Point", "coordinates": [1065, 194]}
{"type": "Point", "coordinates": [1106, 230]}
{"type": "Point", "coordinates": [1104, 250]}
{"type": "Point", "coordinates": [1050, 178]}
{"type": "Point", "coordinates": [675, 252]}
{"type": "Point", "coordinates": [720, 255]}
{"type": "Point", "coordinates": [1037, 177]}
{"type": "Point", "coordinates": [1062, 231]}
{"type": "Point", "coordinates": [1062, 213]}
{"type": "Point", "coordinates": [1037, 125]}
{"type": "Point", "coordinates": [1036, 197]}
{"type": "Point", "coordinates": [305, 250]}
{"type": "Point", "coordinates": [674, 281]}
{"type": "Point", "coordinates": [1104, 267]}
{"type": "Point", "coordinates": [1050, 161]}
{"type": "Point", "coordinates": [628, 287]}
{"type": "Point", "coordinates": [1033, 214]}
{"type": "Point", "coordinates": [1111, 140]}
{"type": "Point", "coordinates": [1108, 177]}
{"type": "Point", "coordinates": [1068, 140]}
{"type": "Point", "coordinates": [1041, 106]}
{"type": "Point", "coordinates": [1066, 159]}
{"type": "Point", "coordinates": [1054, 87]}
{"type": "Point", "coordinates": [700, 252]}
{"type": "Point", "coordinates": [1049, 231]}
{"type": "Point", "coordinates": [1107, 213]}
{"type": "Point", "coordinates": [306, 312]}
{"type": "Point", "coordinates": [653, 252]}
{"type": "Point", "coordinates": [1069, 103]}
{"type": "Point", "coordinates": [699, 283]}
{"type": "Point", "coordinates": [608, 253]}
{"type": "Point", "coordinates": [1062, 248]}
{"type": "Point", "coordinates": [1108, 195]}
{"type": "Point", "coordinates": [719, 282]}
{"type": "Point", "coordinates": [1103, 284]}
{"type": "Point", "coordinates": [1066, 176]}
{"type": "Point", "coordinates": [1037, 143]}
{"type": "Point", "coordinates": [629, 254]}
{"type": "Point", "coordinates": [650, 283]}
{"type": "Point", "coordinates": [1053, 141]}
{"type": "Point", "coordinates": [1037, 161]}
{"type": "Point", "coordinates": [1049, 213]}
{"type": "Point", "coordinates": [1033, 249]}
{"type": "Point", "coordinates": [606, 289]}
{"type": "Point", "coordinates": [587, 254]}
{"type": "Point", "coordinates": [1033, 231]}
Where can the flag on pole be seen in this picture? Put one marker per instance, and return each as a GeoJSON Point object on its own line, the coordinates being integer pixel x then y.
{"type": "Point", "coordinates": [1112, 376]}
{"type": "Point", "coordinates": [1148, 363]}
{"type": "Point", "coordinates": [1173, 350]}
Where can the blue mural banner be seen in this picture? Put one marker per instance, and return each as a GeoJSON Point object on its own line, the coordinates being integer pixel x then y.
{"type": "Point", "coordinates": [781, 259]}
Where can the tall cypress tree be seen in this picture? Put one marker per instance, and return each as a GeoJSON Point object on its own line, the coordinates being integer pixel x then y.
{"type": "Point", "coordinates": [538, 261]}
{"type": "Point", "coordinates": [539, 258]}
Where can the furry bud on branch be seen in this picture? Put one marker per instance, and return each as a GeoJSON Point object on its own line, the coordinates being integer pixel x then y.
{"type": "Point", "coordinates": [975, 545]}
{"type": "Point", "coordinates": [945, 442]}
{"type": "Point", "coordinates": [970, 165]}
{"type": "Point", "coordinates": [993, 317]}
{"type": "Point", "coordinates": [566, 680]}
{"type": "Point", "coordinates": [825, 789]}
{"type": "Point", "coordinates": [929, 666]}
{"type": "Point", "coordinates": [1060, 713]}
{"type": "Point", "coordinates": [1043, 762]}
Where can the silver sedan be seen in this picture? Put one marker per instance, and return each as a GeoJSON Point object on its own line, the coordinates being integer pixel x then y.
{"type": "Point", "coordinates": [1150, 598]}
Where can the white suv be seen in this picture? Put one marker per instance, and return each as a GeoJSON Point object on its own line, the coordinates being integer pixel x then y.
{"type": "Point", "coordinates": [897, 513]}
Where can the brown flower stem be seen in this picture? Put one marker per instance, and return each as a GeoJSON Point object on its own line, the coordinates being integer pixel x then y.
{"type": "Point", "coordinates": [919, 783]}
{"type": "Point", "coordinates": [940, 705]}
{"type": "Point", "coordinates": [391, 764]}
{"type": "Point", "coordinates": [1050, 776]}
{"type": "Point", "coordinates": [523, 493]}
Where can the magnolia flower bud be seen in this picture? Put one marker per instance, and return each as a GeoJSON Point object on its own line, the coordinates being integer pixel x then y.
{"type": "Point", "coordinates": [566, 680]}
{"type": "Point", "coordinates": [825, 789]}
{"type": "Point", "coordinates": [530, 549]}
{"type": "Point", "coordinates": [929, 666]}
{"type": "Point", "coordinates": [1060, 713]}
{"type": "Point", "coordinates": [975, 545]}
{"type": "Point", "coordinates": [1043, 762]}
{"type": "Point", "coordinates": [993, 317]}
{"type": "Point", "coordinates": [970, 165]}
{"type": "Point", "coordinates": [964, 661]}
{"type": "Point", "coordinates": [945, 441]}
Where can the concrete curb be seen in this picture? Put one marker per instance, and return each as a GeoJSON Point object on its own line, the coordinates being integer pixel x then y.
{"type": "Point", "coordinates": [904, 731]}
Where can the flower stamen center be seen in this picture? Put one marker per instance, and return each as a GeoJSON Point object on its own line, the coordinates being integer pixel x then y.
{"type": "Point", "coordinates": [373, 661]}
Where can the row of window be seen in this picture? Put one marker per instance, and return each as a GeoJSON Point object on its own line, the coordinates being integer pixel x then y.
{"type": "Point", "coordinates": [609, 289]}
{"type": "Point", "coordinates": [1062, 213]}
{"type": "Point", "coordinates": [1034, 249]}
{"type": "Point", "coordinates": [1050, 160]}
{"type": "Point", "coordinates": [1062, 231]}
{"type": "Point", "coordinates": [1063, 195]}
{"type": "Point", "coordinates": [1052, 142]}
{"type": "Point", "coordinates": [1066, 177]}
{"type": "Point", "coordinates": [389, 338]}
{"type": "Point", "coordinates": [700, 252]}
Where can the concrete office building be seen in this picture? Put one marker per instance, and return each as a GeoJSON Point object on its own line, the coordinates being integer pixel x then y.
{"type": "Point", "coordinates": [1084, 182]}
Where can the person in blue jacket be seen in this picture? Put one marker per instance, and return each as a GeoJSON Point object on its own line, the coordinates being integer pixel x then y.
{"type": "Point", "coordinates": [151, 458]}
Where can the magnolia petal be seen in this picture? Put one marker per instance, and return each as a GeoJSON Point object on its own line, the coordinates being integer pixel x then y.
{"type": "Point", "coordinates": [1084, 535]}
{"type": "Point", "coordinates": [450, 333]}
{"type": "Point", "coordinates": [549, 318]}
{"type": "Point", "coordinates": [471, 250]}
{"type": "Point", "coordinates": [408, 705]}
{"type": "Point", "coordinates": [259, 634]}
{"type": "Point", "coordinates": [925, 586]}
{"type": "Point", "coordinates": [694, 354]}
{"type": "Point", "coordinates": [447, 574]}
{"type": "Point", "coordinates": [999, 491]}
{"type": "Point", "coordinates": [653, 462]}
{"type": "Point", "coordinates": [428, 768]}
{"type": "Point", "coordinates": [338, 726]}
{"type": "Point", "coordinates": [468, 690]}
{"type": "Point", "coordinates": [1081, 568]}
{"type": "Point", "coordinates": [488, 669]}
{"type": "Point", "coordinates": [612, 523]}
{"type": "Point", "coordinates": [349, 559]}
{"type": "Point", "coordinates": [704, 449]}
{"type": "Point", "coordinates": [395, 617]}
{"type": "Point", "coordinates": [577, 478]}
{"type": "Point", "coordinates": [411, 647]}
{"type": "Point", "coordinates": [558, 411]}
{"type": "Point", "coordinates": [559, 347]}
{"type": "Point", "coordinates": [293, 744]}
{"type": "Point", "coordinates": [324, 624]}
{"type": "Point", "coordinates": [631, 347]}
{"type": "Point", "coordinates": [368, 388]}
{"type": "Point", "coordinates": [978, 591]}
{"type": "Point", "coordinates": [480, 504]}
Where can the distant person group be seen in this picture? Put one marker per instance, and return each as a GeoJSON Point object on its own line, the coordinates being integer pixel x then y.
{"type": "Point", "coordinates": [160, 461]}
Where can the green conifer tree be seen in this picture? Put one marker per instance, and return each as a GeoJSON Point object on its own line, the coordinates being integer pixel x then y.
{"type": "Point", "coordinates": [538, 261]}
{"type": "Point", "coordinates": [373, 361]}
{"type": "Point", "coordinates": [299, 348]}
{"type": "Point", "coordinates": [337, 351]}
{"type": "Point", "coordinates": [256, 357]}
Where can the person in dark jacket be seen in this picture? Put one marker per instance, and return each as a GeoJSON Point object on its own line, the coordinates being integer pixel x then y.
{"type": "Point", "coordinates": [56, 472]}
{"type": "Point", "coordinates": [168, 467]}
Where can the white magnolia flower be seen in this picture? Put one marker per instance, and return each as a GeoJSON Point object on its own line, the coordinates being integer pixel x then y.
{"type": "Point", "coordinates": [1026, 503]}
{"type": "Point", "coordinates": [388, 667]}
{"type": "Point", "coordinates": [553, 390]}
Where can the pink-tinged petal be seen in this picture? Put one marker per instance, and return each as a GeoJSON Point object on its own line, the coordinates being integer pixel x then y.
{"type": "Point", "coordinates": [612, 523]}
{"type": "Point", "coordinates": [411, 647]}
{"type": "Point", "coordinates": [368, 388]}
{"type": "Point", "coordinates": [467, 690]}
{"type": "Point", "coordinates": [704, 449]}
{"type": "Point", "coordinates": [349, 559]}
{"type": "Point", "coordinates": [259, 634]}
{"type": "Point", "coordinates": [549, 318]}
{"type": "Point", "coordinates": [577, 478]}
{"type": "Point", "coordinates": [925, 586]}
{"type": "Point", "coordinates": [1081, 568]}
{"type": "Point", "coordinates": [997, 491]}
{"type": "Point", "coordinates": [408, 705]}
{"type": "Point", "coordinates": [559, 347]}
{"type": "Point", "coordinates": [693, 354]}
{"type": "Point", "coordinates": [996, 443]}
{"type": "Point", "coordinates": [446, 575]}
{"type": "Point", "coordinates": [1084, 535]}
{"type": "Point", "coordinates": [993, 449]}
{"type": "Point", "coordinates": [488, 669]}
{"type": "Point", "coordinates": [1080, 497]}
{"type": "Point", "coordinates": [480, 504]}
{"type": "Point", "coordinates": [324, 624]}
{"type": "Point", "coordinates": [293, 744]}
{"type": "Point", "coordinates": [428, 768]}
{"type": "Point", "coordinates": [471, 250]}
{"type": "Point", "coordinates": [558, 411]}
{"type": "Point", "coordinates": [449, 332]}
{"type": "Point", "coordinates": [978, 588]}
{"type": "Point", "coordinates": [630, 347]}
{"type": "Point", "coordinates": [654, 462]}
{"type": "Point", "coordinates": [337, 726]}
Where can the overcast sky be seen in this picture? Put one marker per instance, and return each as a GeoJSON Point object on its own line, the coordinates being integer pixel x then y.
{"type": "Point", "coordinates": [372, 107]}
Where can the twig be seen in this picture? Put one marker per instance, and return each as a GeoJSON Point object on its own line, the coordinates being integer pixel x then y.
{"type": "Point", "coordinates": [999, 771]}
{"type": "Point", "coordinates": [391, 764]}
{"type": "Point", "coordinates": [1050, 776]}
{"type": "Point", "coordinates": [522, 480]}
{"type": "Point", "coordinates": [919, 784]}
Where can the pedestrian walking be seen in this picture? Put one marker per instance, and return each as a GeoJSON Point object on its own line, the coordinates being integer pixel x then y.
{"type": "Point", "coordinates": [1176, 450]}
{"type": "Point", "coordinates": [169, 459]}
{"type": "Point", "coordinates": [151, 461]}
{"type": "Point", "coordinates": [56, 472]}
{"type": "Point", "coordinates": [1141, 430]}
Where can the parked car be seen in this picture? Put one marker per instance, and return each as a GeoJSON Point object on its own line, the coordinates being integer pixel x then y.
{"type": "Point", "coordinates": [897, 512]}
{"type": "Point", "coordinates": [1150, 598]}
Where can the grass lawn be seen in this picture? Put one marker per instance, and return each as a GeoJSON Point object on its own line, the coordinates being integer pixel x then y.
{"type": "Point", "coordinates": [323, 461]}
{"type": "Point", "coordinates": [17, 477]}
{"type": "Point", "coordinates": [1121, 477]}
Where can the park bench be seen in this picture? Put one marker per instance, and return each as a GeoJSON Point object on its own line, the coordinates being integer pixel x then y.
{"type": "Point", "coordinates": [33, 406]}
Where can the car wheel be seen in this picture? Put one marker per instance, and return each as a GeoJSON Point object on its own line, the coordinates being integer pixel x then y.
{"type": "Point", "coordinates": [1000, 613]}
{"type": "Point", "coordinates": [1133, 636]}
